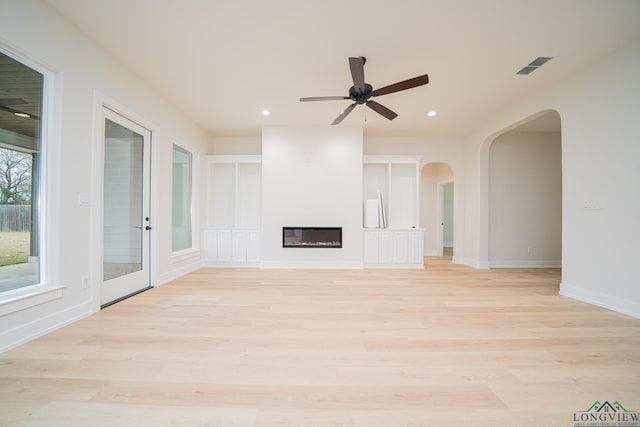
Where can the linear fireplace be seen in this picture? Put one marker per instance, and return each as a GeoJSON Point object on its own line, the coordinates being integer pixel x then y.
{"type": "Point", "coordinates": [311, 237]}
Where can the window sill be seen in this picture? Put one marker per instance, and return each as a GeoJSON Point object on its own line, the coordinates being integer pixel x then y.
{"type": "Point", "coordinates": [184, 255]}
{"type": "Point", "coordinates": [23, 299]}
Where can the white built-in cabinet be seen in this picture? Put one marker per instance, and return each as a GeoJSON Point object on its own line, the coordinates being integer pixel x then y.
{"type": "Point", "coordinates": [232, 234]}
{"type": "Point", "coordinates": [401, 243]}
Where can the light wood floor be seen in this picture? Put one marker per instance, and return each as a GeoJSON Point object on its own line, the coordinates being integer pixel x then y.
{"type": "Point", "coordinates": [444, 346]}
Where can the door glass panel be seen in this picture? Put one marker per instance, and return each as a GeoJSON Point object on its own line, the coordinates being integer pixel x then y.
{"type": "Point", "coordinates": [123, 201]}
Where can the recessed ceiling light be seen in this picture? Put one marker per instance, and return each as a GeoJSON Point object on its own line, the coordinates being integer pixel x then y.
{"type": "Point", "coordinates": [266, 112]}
{"type": "Point", "coordinates": [19, 114]}
{"type": "Point", "coordinates": [431, 113]}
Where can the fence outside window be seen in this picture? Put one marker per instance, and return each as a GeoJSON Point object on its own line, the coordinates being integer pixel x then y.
{"type": "Point", "coordinates": [15, 218]}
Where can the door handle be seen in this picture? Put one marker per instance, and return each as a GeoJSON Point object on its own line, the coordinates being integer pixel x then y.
{"type": "Point", "coordinates": [147, 228]}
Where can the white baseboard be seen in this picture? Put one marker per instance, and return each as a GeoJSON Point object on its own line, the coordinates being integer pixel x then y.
{"type": "Point", "coordinates": [238, 264]}
{"type": "Point", "coordinates": [408, 266]}
{"type": "Point", "coordinates": [480, 265]}
{"type": "Point", "coordinates": [313, 265]}
{"type": "Point", "coordinates": [525, 264]}
{"type": "Point", "coordinates": [620, 305]}
{"type": "Point", "coordinates": [30, 331]}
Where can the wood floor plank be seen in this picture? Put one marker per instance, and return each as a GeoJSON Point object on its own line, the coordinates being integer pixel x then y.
{"type": "Point", "coordinates": [443, 346]}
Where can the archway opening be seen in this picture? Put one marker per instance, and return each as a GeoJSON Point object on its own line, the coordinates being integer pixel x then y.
{"type": "Point", "coordinates": [525, 195]}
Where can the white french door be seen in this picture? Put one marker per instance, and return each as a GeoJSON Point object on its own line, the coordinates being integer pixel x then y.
{"type": "Point", "coordinates": [125, 212]}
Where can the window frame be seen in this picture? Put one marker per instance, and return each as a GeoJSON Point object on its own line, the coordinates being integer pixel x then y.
{"type": "Point", "coordinates": [193, 208]}
{"type": "Point", "coordinates": [48, 288]}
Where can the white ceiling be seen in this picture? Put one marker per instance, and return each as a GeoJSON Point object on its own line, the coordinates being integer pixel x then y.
{"type": "Point", "coordinates": [223, 61]}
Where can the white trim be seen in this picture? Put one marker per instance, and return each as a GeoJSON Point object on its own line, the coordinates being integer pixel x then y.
{"type": "Point", "coordinates": [26, 332]}
{"type": "Point", "coordinates": [49, 192]}
{"type": "Point", "coordinates": [313, 265]}
{"type": "Point", "coordinates": [376, 158]}
{"type": "Point", "coordinates": [459, 260]}
{"type": "Point", "coordinates": [240, 158]}
{"type": "Point", "coordinates": [29, 297]}
{"type": "Point", "coordinates": [184, 255]}
{"type": "Point", "coordinates": [195, 202]}
{"type": "Point", "coordinates": [525, 264]}
{"type": "Point", "coordinates": [232, 264]}
{"type": "Point", "coordinates": [480, 265]}
{"type": "Point", "coordinates": [599, 299]}
{"type": "Point", "coordinates": [397, 266]}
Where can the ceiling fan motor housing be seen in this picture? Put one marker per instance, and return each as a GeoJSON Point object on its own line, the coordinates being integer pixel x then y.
{"type": "Point", "coordinates": [361, 98]}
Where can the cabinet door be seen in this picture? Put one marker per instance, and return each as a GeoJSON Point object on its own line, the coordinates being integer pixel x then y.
{"type": "Point", "coordinates": [371, 247]}
{"type": "Point", "coordinates": [224, 245]}
{"type": "Point", "coordinates": [385, 247]}
{"type": "Point", "coordinates": [415, 247]}
{"type": "Point", "coordinates": [400, 247]}
{"type": "Point", "coordinates": [253, 246]}
{"type": "Point", "coordinates": [239, 246]}
{"type": "Point", "coordinates": [211, 245]}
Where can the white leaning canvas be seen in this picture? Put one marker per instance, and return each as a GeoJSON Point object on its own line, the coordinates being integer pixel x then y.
{"type": "Point", "coordinates": [371, 217]}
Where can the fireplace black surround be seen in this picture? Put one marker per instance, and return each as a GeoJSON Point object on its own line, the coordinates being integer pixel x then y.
{"type": "Point", "coordinates": [311, 237]}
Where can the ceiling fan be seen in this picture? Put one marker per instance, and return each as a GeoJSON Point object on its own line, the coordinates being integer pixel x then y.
{"type": "Point", "coordinates": [361, 92]}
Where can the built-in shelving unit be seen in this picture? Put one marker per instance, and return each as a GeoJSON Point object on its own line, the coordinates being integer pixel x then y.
{"type": "Point", "coordinates": [401, 243]}
{"type": "Point", "coordinates": [232, 234]}
{"type": "Point", "coordinates": [397, 178]}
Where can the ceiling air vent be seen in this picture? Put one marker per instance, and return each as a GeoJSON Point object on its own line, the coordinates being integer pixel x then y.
{"type": "Point", "coordinates": [534, 65]}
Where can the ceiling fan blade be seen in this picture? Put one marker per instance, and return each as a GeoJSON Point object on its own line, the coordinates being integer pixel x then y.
{"type": "Point", "coordinates": [344, 114]}
{"type": "Point", "coordinates": [357, 73]}
{"type": "Point", "coordinates": [381, 109]}
{"type": "Point", "coordinates": [406, 84]}
{"type": "Point", "coordinates": [324, 98]}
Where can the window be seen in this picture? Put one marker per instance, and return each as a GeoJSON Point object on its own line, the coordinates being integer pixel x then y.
{"type": "Point", "coordinates": [182, 199]}
{"type": "Point", "coordinates": [21, 102]}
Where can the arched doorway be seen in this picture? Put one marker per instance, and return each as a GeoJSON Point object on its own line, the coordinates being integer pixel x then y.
{"type": "Point", "coordinates": [525, 195]}
{"type": "Point", "coordinates": [436, 208]}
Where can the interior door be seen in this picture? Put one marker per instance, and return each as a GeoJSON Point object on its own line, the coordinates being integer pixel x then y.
{"type": "Point", "coordinates": [126, 221]}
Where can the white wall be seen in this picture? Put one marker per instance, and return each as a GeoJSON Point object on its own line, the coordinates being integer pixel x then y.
{"type": "Point", "coordinates": [525, 200]}
{"type": "Point", "coordinates": [311, 177]}
{"type": "Point", "coordinates": [600, 152]}
{"type": "Point", "coordinates": [601, 163]}
{"type": "Point", "coordinates": [82, 72]}
{"type": "Point", "coordinates": [236, 145]}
